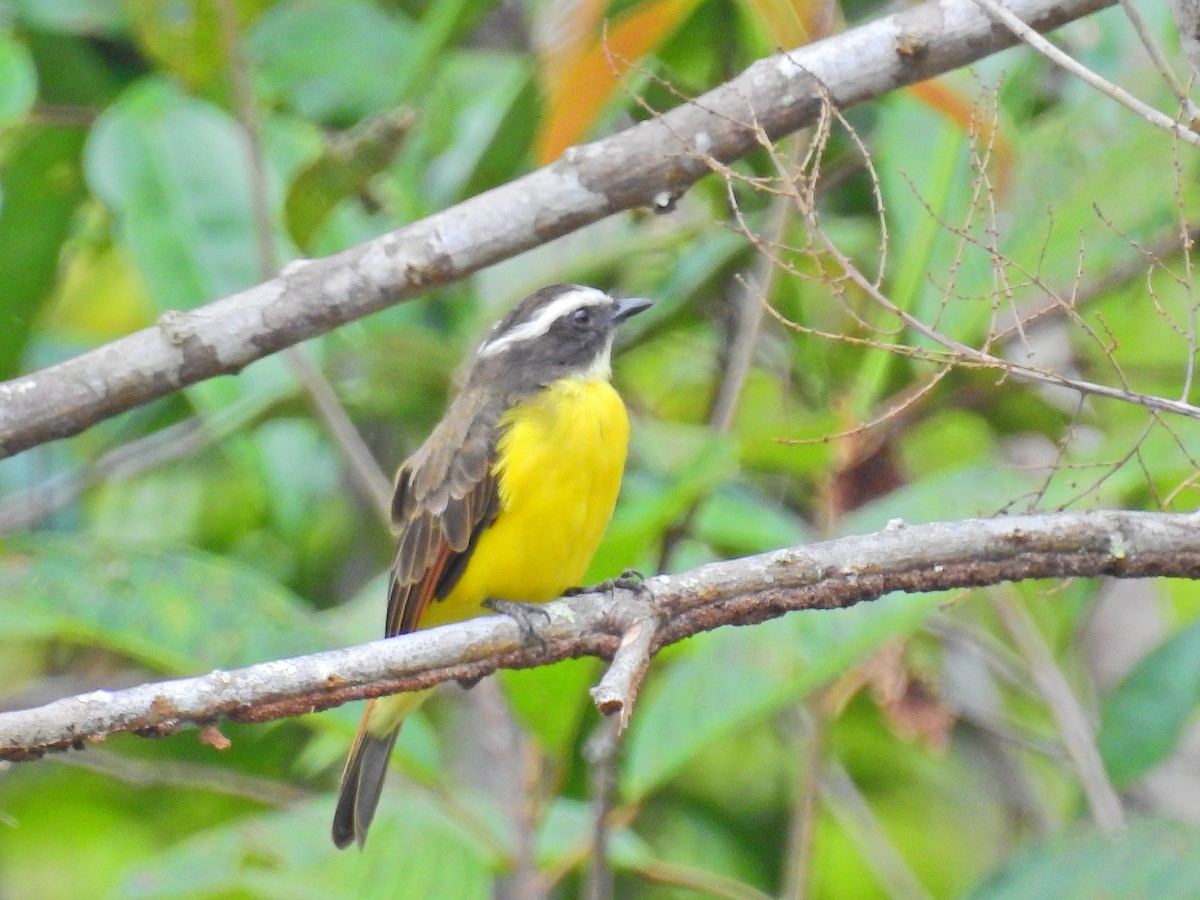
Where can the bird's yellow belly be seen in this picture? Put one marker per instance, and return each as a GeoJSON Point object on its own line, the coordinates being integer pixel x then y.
{"type": "Point", "coordinates": [559, 465]}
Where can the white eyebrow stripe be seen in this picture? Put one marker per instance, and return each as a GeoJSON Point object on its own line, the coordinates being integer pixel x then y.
{"type": "Point", "coordinates": [540, 324]}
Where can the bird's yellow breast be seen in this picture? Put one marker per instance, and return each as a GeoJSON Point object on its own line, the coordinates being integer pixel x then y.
{"type": "Point", "coordinates": [558, 464]}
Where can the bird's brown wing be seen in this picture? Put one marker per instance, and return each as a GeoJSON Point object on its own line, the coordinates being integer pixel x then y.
{"type": "Point", "coordinates": [446, 496]}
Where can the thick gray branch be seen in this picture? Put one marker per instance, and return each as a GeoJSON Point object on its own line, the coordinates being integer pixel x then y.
{"type": "Point", "coordinates": [1187, 20]}
{"type": "Point", "coordinates": [828, 575]}
{"type": "Point", "coordinates": [646, 165]}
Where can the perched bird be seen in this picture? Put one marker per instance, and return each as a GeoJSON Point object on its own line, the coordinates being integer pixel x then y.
{"type": "Point", "coordinates": [506, 501]}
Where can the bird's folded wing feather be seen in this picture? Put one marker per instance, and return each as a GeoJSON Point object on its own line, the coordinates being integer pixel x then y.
{"type": "Point", "coordinates": [445, 497]}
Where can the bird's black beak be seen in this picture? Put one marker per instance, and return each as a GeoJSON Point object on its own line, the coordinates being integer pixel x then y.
{"type": "Point", "coordinates": [628, 308]}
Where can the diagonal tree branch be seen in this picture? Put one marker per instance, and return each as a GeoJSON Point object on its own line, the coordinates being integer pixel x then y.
{"type": "Point", "coordinates": [829, 575]}
{"type": "Point", "coordinates": [647, 165]}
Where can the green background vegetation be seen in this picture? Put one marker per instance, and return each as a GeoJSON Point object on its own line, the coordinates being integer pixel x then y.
{"type": "Point", "coordinates": [908, 735]}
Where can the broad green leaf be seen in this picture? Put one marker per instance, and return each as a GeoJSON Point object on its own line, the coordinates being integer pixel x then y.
{"type": "Point", "coordinates": [726, 678]}
{"type": "Point", "coordinates": [692, 462]}
{"type": "Point", "coordinates": [179, 610]}
{"type": "Point", "coordinates": [362, 51]}
{"type": "Point", "coordinates": [161, 506]}
{"type": "Point", "coordinates": [553, 701]}
{"type": "Point", "coordinates": [1144, 717]}
{"type": "Point", "coordinates": [173, 171]}
{"type": "Point", "coordinates": [713, 853]}
{"type": "Point", "coordinates": [185, 36]}
{"type": "Point", "coordinates": [1149, 858]}
{"type": "Point", "coordinates": [484, 141]}
{"type": "Point", "coordinates": [85, 17]}
{"type": "Point", "coordinates": [100, 297]}
{"type": "Point", "coordinates": [345, 167]}
{"type": "Point", "coordinates": [740, 521]}
{"type": "Point", "coordinates": [42, 186]}
{"type": "Point", "coordinates": [18, 80]}
{"type": "Point", "coordinates": [73, 71]}
{"type": "Point", "coordinates": [299, 471]}
{"type": "Point", "coordinates": [415, 851]}
{"type": "Point", "coordinates": [108, 827]}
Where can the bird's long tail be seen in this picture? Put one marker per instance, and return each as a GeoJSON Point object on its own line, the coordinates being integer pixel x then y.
{"type": "Point", "coordinates": [366, 766]}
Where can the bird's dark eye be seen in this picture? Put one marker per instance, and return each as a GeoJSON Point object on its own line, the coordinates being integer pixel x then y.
{"type": "Point", "coordinates": [581, 316]}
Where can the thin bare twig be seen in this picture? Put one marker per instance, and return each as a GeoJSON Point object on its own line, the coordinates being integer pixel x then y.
{"type": "Point", "coordinates": [809, 736]}
{"type": "Point", "coordinates": [1191, 113]}
{"type": "Point", "coordinates": [704, 882]}
{"type": "Point", "coordinates": [841, 794]}
{"type": "Point", "coordinates": [507, 766]}
{"type": "Point", "coordinates": [1013, 22]}
{"type": "Point", "coordinates": [952, 352]}
{"type": "Point", "coordinates": [747, 307]}
{"type": "Point", "coordinates": [602, 750]}
{"type": "Point", "coordinates": [617, 690]}
{"type": "Point", "coordinates": [1077, 733]}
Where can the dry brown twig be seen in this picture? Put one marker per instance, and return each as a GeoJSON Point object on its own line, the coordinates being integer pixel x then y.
{"type": "Point", "coordinates": [1013, 22]}
{"type": "Point", "coordinates": [943, 350]}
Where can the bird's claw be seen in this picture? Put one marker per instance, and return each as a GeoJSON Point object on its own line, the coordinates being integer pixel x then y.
{"type": "Point", "coordinates": [629, 580]}
{"type": "Point", "coordinates": [522, 614]}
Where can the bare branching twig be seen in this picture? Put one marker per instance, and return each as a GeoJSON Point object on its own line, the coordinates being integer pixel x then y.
{"type": "Point", "coordinates": [1077, 732]}
{"type": "Point", "coordinates": [1012, 21]}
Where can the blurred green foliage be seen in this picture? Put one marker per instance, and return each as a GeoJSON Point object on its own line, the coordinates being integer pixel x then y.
{"type": "Point", "coordinates": [835, 754]}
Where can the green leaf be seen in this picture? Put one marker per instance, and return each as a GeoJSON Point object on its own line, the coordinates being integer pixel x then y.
{"type": "Point", "coordinates": [1150, 858]}
{"type": "Point", "coordinates": [740, 521]}
{"type": "Point", "coordinates": [692, 462]}
{"type": "Point", "coordinates": [1144, 717]}
{"type": "Point", "coordinates": [355, 74]}
{"type": "Point", "coordinates": [299, 471]}
{"type": "Point", "coordinates": [730, 677]}
{"type": "Point", "coordinates": [18, 80]}
{"type": "Point", "coordinates": [185, 36]}
{"type": "Point", "coordinates": [483, 140]}
{"type": "Point", "coordinates": [346, 167]}
{"type": "Point", "coordinates": [551, 701]}
{"type": "Point", "coordinates": [73, 71]}
{"type": "Point", "coordinates": [173, 171]}
{"type": "Point", "coordinates": [415, 851]}
{"type": "Point", "coordinates": [178, 610]}
{"type": "Point", "coordinates": [85, 17]}
{"type": "Point", "coordinates": [42, 186]}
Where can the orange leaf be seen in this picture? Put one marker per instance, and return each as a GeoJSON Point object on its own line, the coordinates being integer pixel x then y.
{"type": "Point", "coordinates": [579, 87]}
